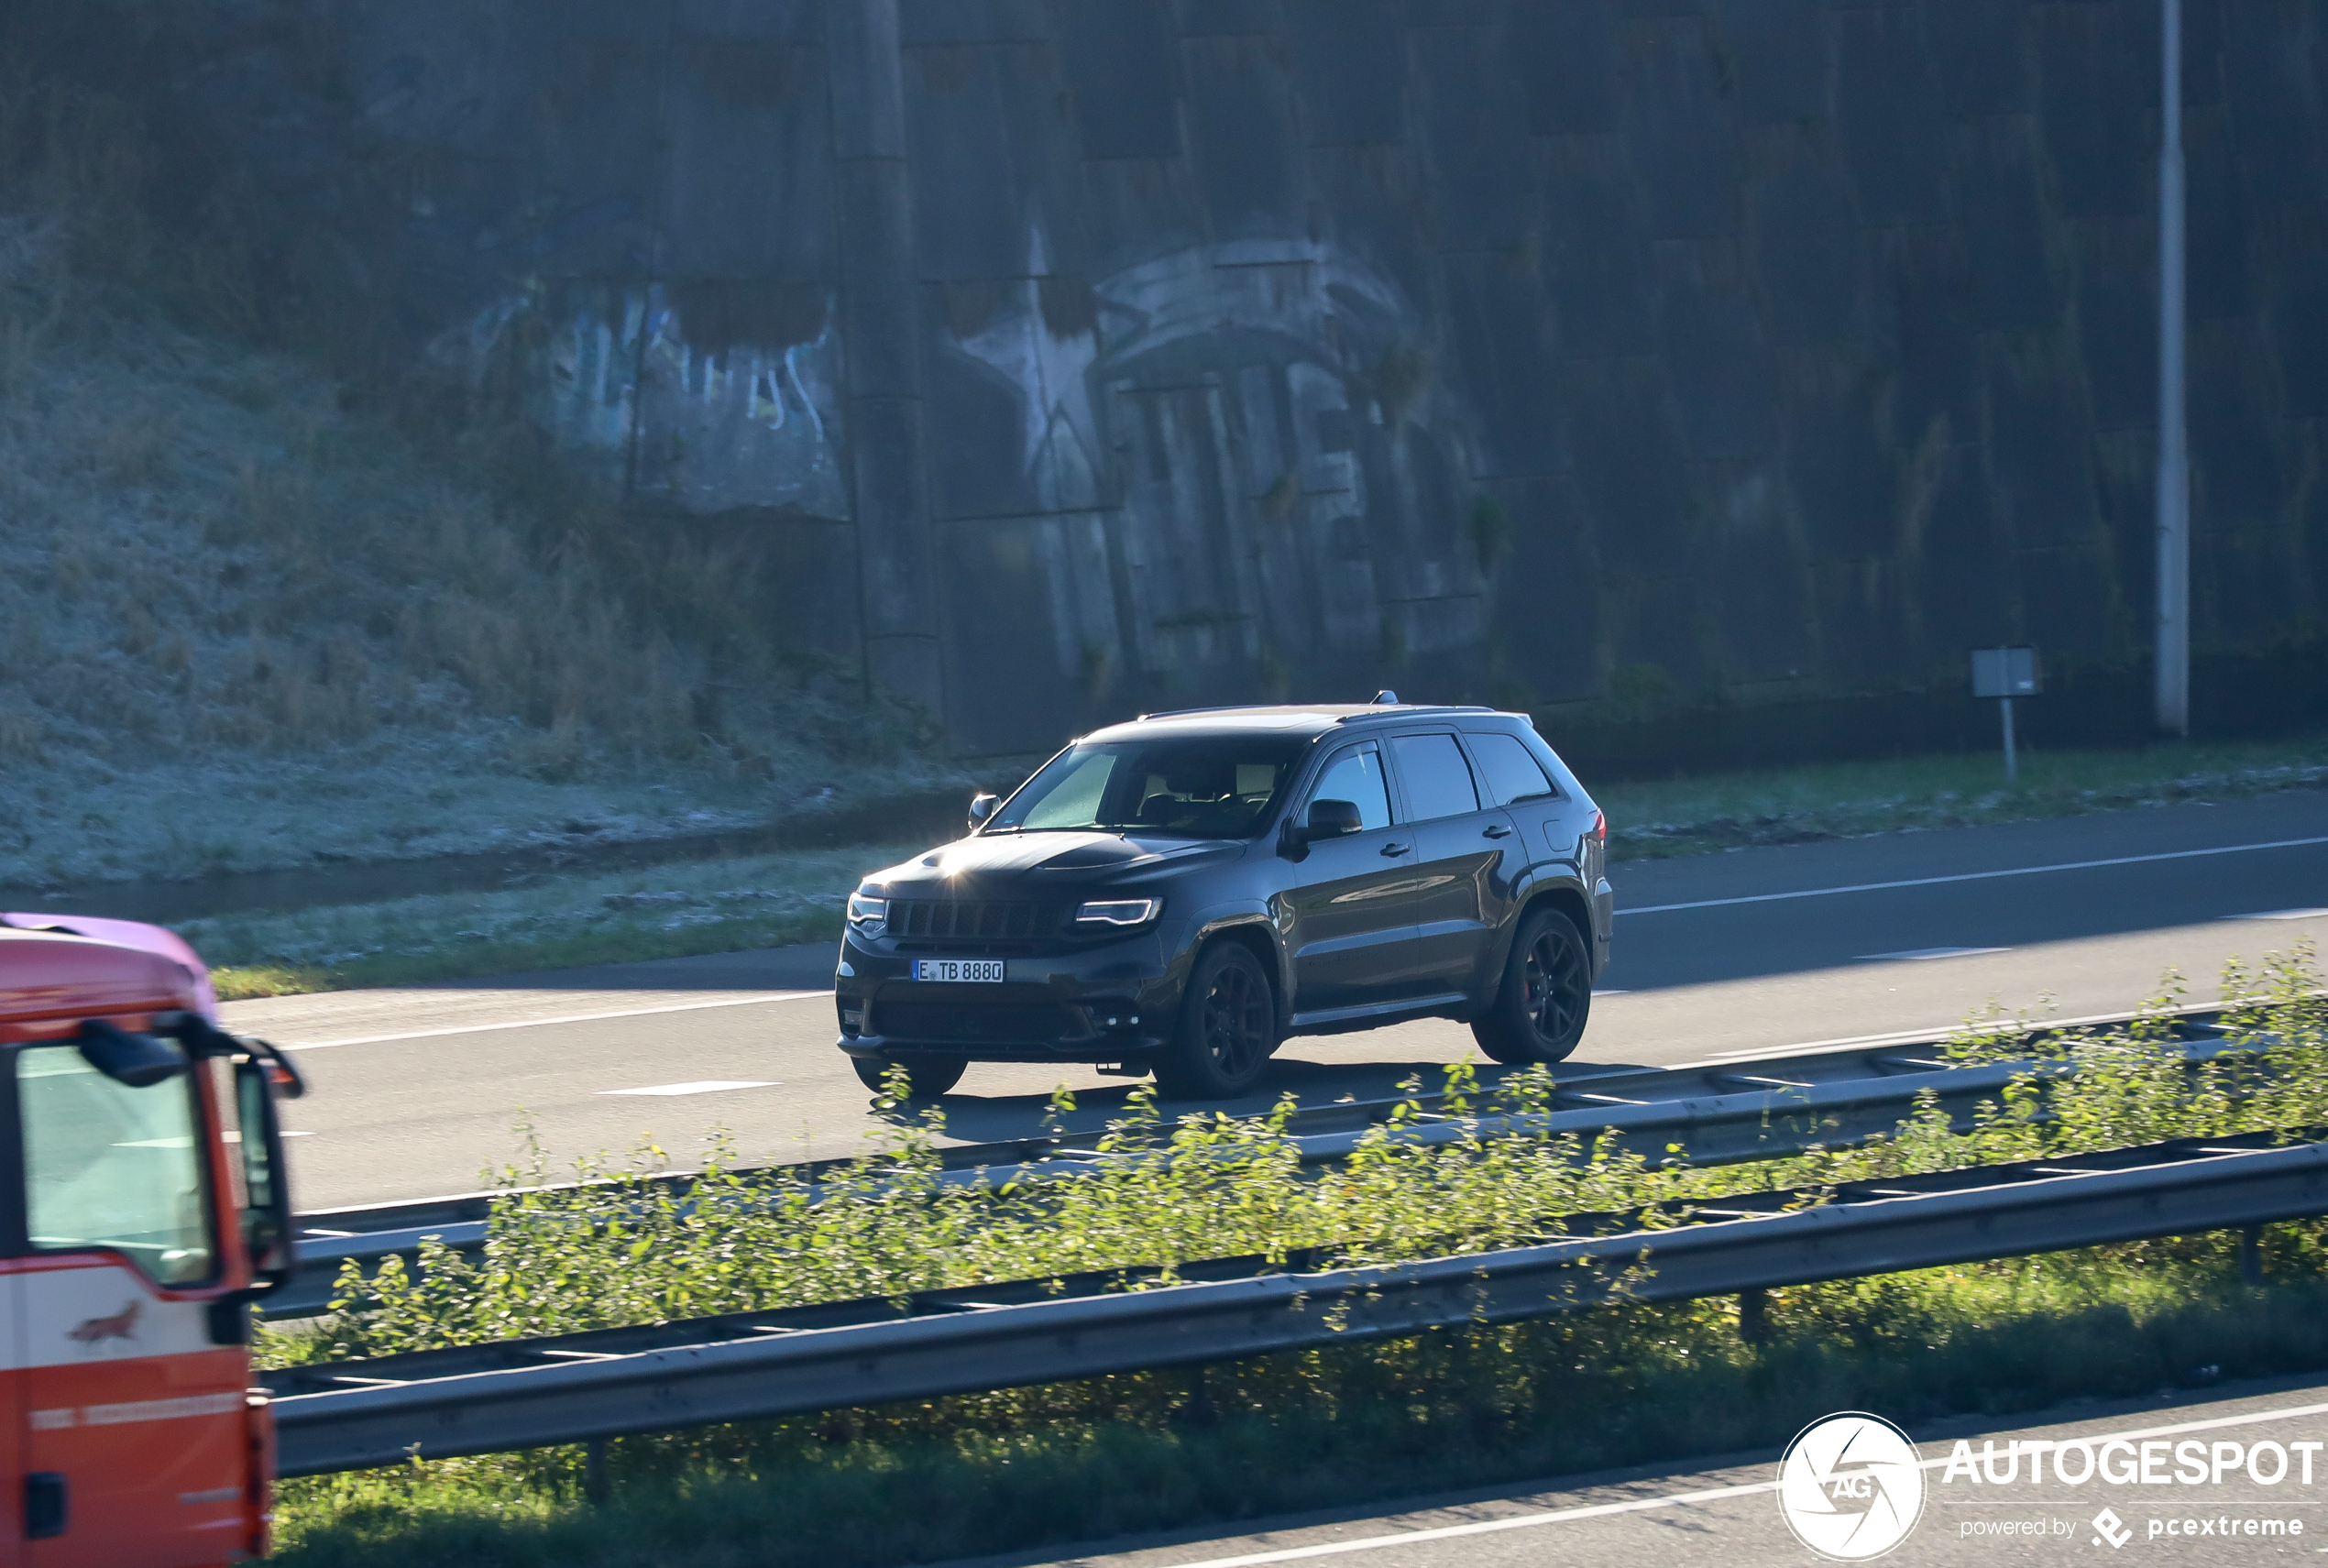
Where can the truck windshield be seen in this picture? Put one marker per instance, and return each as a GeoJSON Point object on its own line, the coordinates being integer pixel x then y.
{"type": "Point", "coordinates": [109, 1166]}
{"type": "Point", "coordinates": [1195, 787]}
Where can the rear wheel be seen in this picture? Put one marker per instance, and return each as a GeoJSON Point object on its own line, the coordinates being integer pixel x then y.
{"type": "Point", "coordinates": [1227, 1027]}
{"type": "Point", "coordinates": [1546, 996]}
{"type": "Point", "coordinates": [929, 1075]}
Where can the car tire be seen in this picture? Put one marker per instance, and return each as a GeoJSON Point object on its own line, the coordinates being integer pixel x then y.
{"type": "Point", "coordinates": [1540, 1008]}
{"type": "Point", "coordinates": [929, 1075]}
{"type": "Point", "coordinates": [1227, 1027]}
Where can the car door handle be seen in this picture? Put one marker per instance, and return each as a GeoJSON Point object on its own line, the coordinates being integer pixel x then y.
{"type": "Point", "coordinates": [1394, 848]}
{"type": "Point", "coordinates": [1495, 830]}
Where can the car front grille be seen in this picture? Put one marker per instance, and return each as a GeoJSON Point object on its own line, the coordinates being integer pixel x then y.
{"type": "Point", "coordinates": [967, 1021]}
{"type": "Point", "coordinates": [971, 920]}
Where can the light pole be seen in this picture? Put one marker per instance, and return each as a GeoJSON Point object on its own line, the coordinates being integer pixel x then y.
{"type": "Point", "coordinates": [2174, 465]}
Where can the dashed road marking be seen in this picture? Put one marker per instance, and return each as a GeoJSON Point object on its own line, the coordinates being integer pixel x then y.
{"type": "Point", "coordinates": [1979, 876]}
{"type": "Point", "coordinates": [702, 1085]}
{"type": "Point", "coordinates": [568, 1018]}
{"type": "Point", "coordinates": [1922, 955]}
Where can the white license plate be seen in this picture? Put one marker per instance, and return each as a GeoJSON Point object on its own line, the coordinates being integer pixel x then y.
{"type": "Point", "coordinates": [988, 971]}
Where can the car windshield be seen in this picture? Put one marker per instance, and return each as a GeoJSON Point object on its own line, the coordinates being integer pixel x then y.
{"type": "Point", "coordinates": [1208, 787]}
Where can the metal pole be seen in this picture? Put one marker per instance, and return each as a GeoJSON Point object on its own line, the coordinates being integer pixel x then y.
{"type": "Point", "coordinates": [2012, 768]}
{"type": "Point", "coordinates": [2174, 466]}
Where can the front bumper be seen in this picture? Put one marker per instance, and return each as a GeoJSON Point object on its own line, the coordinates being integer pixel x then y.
{"type": "Point", "coordinates": [1113, 1002]}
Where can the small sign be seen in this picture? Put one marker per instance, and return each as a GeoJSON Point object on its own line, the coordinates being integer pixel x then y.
{"type": "Point", "coordinates": [2004, 672]}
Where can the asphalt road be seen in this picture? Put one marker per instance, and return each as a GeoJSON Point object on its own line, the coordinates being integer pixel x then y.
{"type": "Point", "coordinates": [418, 1090]}
{"type": "Point", "coordinates": [1728, 1512]}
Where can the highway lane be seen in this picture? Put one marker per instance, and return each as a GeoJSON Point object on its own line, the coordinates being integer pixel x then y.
{"type": "Point", "coordinates": [1727, 1512]}
{"type": "Point", "coordinates": [418, 1090]}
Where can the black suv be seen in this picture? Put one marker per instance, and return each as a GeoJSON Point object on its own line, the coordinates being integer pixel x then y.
{"type": "Point", "coordinates": [1179, 894]}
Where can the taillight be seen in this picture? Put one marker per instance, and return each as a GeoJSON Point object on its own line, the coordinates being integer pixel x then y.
{"type": "Point", "coordinates": [1600, 827]}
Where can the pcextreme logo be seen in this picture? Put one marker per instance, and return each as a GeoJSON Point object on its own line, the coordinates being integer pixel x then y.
{"type": "Point", "coordinates": [1851, 1487]}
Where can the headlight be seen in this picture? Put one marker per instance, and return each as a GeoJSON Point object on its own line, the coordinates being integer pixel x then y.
{"type": "Point", "coordinates": [1120, 912]}
{"type": "Point", "coordinates": [867, 914]}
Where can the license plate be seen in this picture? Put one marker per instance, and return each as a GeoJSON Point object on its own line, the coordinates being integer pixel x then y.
{"type": "Point", "coordinates": [986, 971]}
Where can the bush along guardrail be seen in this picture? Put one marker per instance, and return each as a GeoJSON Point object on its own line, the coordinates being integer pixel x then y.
{"type": "Point", "coordinates": [635, 1249]}
{"type": "Point", "coordinates": [1786, 1105]}
{"type": "Point", "coordinates": [490, 1399]}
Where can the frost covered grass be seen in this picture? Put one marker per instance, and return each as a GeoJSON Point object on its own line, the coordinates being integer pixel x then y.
{"type": "Point", "coordinates": [1460, 1408]}
{"type": "Point", "coordinates": [246, 625]}
{"type": "Point", "coordinates": [1788, 805]}
{"type": "Point", "coordinates": [546, 922]}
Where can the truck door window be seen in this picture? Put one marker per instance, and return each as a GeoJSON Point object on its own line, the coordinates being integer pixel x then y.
{"type": "Point", "coordinates": [108, 1166]}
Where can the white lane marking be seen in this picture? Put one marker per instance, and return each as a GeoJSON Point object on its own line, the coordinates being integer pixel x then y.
{"type": "Point", "coordinates": [1612, 993]}
{"type": "Point", "coordinates": [569, 1018]}
{"type": "Point", "coordinates": [1923, 955]}
{"type": "Point", "coordinates": [1978, 876]}
{"type": "Point", "coordinates": [1671, 1499]}
{"type": "Point", "coordinates": [2281, 915]}
{"type": "Point", "coordinates": [704, 1086]}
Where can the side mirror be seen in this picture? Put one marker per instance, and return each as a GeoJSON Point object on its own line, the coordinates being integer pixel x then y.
{"type": "Point", "coordinates": [267, 1224]}
{"type": "Point", "coordinates": [982, 806]}
{"type": "Point", "coordinates": [1334, 819]}
{"type": "Point", "coordinates": [139, 1061]}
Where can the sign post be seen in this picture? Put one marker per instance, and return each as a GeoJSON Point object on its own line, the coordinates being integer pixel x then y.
{"type": "Point", "coordinates": [2006, 674]}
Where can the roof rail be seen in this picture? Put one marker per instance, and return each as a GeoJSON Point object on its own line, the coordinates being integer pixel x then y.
{"type": "Point", "coordinates": [1417, 709]}
{"type": "Point", "coordinates": [1184, 712]}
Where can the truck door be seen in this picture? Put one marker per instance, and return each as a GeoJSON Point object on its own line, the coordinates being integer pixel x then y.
{"type": "Point", "coordinates": [135, 1435]}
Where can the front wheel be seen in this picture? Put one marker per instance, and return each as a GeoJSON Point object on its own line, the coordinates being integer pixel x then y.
{"type": "Point", "coordinates": [1227, 1027]}
{"type": "Point", "coordinates": [1539, 1012]}
{"type": "Point", "coordinates": [927, 1077]}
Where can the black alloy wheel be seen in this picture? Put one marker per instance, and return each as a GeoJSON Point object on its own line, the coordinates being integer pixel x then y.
{"type": "Point", "coordinates": [1227, 1027]}
{"type": "Point", "coordinates": [1546, 997]}
{"type": "Point", "coordinates": [928, 1076]}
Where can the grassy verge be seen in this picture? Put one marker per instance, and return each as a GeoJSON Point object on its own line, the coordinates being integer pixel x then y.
{"type": "Point", "coordinates": [1028, 1467]}
{"type": "Point", "coordinates": [1720, 811]}
{"type": "Point", "coordinates": [986, 1472]}
{"type": "Point", "coordinates": [554, 922]}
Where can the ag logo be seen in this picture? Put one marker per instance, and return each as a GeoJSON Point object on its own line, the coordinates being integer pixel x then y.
{"type": "Point", "coordinates": [1851, 1487]}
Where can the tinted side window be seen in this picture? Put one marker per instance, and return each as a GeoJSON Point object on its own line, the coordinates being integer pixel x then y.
{"type": "Point", "coordinates": [1438, 780]}
{"type": "Point", "coordinates": [1357, 776]}
{"type": "Point", "coordinates": [1511, 774]}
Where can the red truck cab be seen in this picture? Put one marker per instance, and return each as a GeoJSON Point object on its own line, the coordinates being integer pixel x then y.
{"type": "Point", "coordinates": [142, 1210]}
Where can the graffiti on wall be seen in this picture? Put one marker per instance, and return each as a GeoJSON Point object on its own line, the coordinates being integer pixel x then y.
{"type": "Point", "coordinates": [1247, 452]}
{"type": "Point", "coordinates": [612, 373]}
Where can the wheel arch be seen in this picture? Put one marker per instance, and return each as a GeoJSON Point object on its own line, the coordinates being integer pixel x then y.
{"type": "Point", "coordinates": [1256, 935]}
{"type": "Point", "coordinates": [1560, 894]}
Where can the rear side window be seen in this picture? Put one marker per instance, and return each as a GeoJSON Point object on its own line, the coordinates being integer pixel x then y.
{"type": "Point", "coordinates": [1438, 780]}
{"type": "Point", "coordinates": [1511, 773]}
{"type": "Point", "coordinates": [1357, 776]}
{"type": "Point", "coordinates": [108, 1166]}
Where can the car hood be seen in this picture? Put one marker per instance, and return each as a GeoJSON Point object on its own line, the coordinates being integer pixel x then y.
{"type": "Point", "coordinates": [1032, 861]}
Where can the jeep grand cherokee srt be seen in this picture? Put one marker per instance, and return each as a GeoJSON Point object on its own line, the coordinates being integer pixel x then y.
{"type": "Point", "coordinates": [1179, 894]}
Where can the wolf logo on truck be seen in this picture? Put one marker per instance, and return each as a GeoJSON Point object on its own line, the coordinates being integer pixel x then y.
{"type": "Point", "coordinates": [122, 1325]}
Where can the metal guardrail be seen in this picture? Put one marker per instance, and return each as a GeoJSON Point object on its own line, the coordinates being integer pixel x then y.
{"type": "Point", "coordinates": [1714, 1114]}
{"type": "Point", "coordinates": [526, 1394]}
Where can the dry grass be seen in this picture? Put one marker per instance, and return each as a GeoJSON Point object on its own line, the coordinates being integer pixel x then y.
{"type": "Point", "coordinates": [213, 573]}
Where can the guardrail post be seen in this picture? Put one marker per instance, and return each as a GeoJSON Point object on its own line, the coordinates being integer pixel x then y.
{"type": "Point", "coordinates": [2251, 1254]}
{"type": "Point", "coordinates": [1754, 1315]}
{"type": "Point", "coordinates": [594, 1483]}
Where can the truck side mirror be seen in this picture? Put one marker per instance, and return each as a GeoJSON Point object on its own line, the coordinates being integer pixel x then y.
{"type": "Point", "coordinates": [1332, 819]}
{"type": "Point", "coordinates": [139, 1061]}
{"type": "Point", "coordinates": [267, 1225]}
{"type": "Point", "coordinates": [982, 806]}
